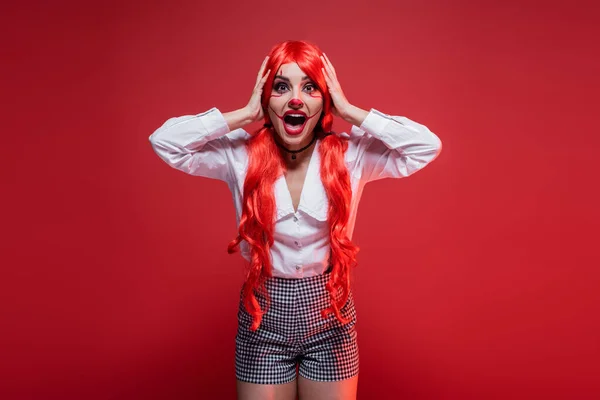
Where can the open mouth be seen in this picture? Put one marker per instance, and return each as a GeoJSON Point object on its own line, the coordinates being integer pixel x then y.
{"type": "Point", "coordinates": [294, 120]}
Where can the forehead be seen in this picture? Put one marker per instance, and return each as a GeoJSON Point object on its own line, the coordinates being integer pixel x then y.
{"type": "Point", "coordinates": [291, 70]}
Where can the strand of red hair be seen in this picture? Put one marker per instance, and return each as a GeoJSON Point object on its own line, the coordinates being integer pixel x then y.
{"type": "Point", "coordinates": [266, 165]}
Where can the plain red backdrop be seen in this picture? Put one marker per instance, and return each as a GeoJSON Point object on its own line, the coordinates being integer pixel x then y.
{"type": "Point", "coordinates": [478, 276]}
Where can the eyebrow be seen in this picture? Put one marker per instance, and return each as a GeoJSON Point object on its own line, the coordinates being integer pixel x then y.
{"type": "Point", "coordinates": [304, 78]}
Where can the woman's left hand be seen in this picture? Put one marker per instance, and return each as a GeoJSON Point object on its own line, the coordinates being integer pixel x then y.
{"type": "Point", "coordinates": [341, 106]}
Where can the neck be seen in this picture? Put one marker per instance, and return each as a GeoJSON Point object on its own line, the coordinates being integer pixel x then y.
{"type": "Point", "coordinates": [301, 157]}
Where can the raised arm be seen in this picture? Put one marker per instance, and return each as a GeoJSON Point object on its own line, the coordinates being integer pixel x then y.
{"type": "Point", "coordinates": [200, 144]}
{"type": "Point", "coordinates": [382, 145]}
{"type": "Point", "coordinates": [387, 146]}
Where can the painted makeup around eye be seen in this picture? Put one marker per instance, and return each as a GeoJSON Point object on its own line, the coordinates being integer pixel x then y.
{"type": "Point", "coordinates": [315, 93]}
{"type": "Point", "coordinates": [292, 106]}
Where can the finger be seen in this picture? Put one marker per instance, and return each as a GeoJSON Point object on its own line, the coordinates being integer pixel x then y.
{"type": "Point", "coordinates": [328, 67]}
{"type": "Point", "coordinates": [264, 78]}
{"type": "Point", "coordinates": [326, 75]}
{"type": "Point", "coordinates": [260, 85]}
{"type": "Point", "coordinates": [325, 69]}
{"type": "Point", "coordinates": [262, 68]}
{"type": "Point", "coordinates": [329, 62]}
{"type": "Point", "coordinates": [325, 64]}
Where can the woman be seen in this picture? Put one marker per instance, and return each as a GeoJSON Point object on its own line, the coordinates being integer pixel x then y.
{"type": "Point", "coordinates": [296, 187]}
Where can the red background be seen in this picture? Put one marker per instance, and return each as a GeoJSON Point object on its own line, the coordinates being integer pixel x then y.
{"type": "Point", "coordinates": [478, 276]}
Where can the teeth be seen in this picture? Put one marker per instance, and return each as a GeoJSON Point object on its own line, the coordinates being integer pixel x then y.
{"type": "Point", "coordinates": [295, 115]}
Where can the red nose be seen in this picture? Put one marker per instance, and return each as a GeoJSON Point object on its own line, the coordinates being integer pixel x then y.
{"type": "Point", "coordinates": [295, 103]}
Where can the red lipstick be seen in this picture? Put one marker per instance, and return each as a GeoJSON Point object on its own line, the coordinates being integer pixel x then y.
{"type": "Point", "coordinates": [294, 130]}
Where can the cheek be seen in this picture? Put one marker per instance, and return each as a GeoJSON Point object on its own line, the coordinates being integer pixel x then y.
{"type": "Point", "coordinates": [276, 102]}
{"type": "Point", "coordinates": [315, 105]}
{"type": "Point", "coordinates": [313, 101]}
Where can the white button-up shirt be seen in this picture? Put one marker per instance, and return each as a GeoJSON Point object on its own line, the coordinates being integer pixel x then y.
{"type": "Point", "coordinates": [382, 147]}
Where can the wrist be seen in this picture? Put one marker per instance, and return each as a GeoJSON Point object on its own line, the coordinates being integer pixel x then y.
{"type": "Point", "coordinates": [354, 115]}
{"type": "Point", "coordinates": [238, 118]}
{"type": "Point", "coordinates": [247, 116]}
{"type": "Point", "coordinates": [345, 112]}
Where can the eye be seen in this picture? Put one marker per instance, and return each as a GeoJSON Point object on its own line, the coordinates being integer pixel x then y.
{"type": "Point", "coordinates": [312, 87]}
{"type": "Point", "coordinates": [280, 87]}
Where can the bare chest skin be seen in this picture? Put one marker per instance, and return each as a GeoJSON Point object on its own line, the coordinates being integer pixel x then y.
{"type": "Point", "coordinates": [295, 175]}
{"type": "Point", "coordinates": [295, 181]}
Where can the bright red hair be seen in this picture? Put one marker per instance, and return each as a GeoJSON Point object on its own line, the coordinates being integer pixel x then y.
{"type": "Point", "coordinates": [266, 165]}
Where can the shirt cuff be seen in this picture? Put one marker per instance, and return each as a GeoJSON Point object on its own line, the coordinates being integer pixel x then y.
{"type": "Point", "coordinates": [394, 131]}
{"type": "Point", "coordinates": [375, 122]}
{"type": "Point", "coordinates": [214, 122]}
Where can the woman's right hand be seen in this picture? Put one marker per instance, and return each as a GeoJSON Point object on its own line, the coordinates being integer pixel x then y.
{"type": "Point", "coordinates": [254, 107]}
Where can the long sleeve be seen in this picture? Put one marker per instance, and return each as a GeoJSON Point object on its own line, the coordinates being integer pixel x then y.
{"type": "Point", "coordinates": [195, 144]}
{"type": "Point", "coordinates": [390, 147]}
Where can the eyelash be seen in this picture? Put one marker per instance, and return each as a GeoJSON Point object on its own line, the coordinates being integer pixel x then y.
{"type": "Point", "coordinates": [277, 85]}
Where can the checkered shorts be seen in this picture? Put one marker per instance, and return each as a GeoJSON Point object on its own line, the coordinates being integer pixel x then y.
{"type": "Point", "coordinates": [293, 332]}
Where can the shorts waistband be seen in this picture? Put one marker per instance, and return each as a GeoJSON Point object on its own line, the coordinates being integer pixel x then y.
{"type": "Point", "coordinates": [294, 281]}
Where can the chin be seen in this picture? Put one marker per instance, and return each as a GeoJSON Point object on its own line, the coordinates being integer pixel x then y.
{"type": "Point", "coordinates": [294, 139]}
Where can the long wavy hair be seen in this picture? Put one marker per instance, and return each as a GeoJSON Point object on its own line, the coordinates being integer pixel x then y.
{"type": "Point", "coordinates": [266, 165]}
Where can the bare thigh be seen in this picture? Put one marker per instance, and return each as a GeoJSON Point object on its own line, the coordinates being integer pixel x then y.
{"type": "Point", "coordinates": [337, 390]}
{"type": "Point", "coordinates": [253, 391]}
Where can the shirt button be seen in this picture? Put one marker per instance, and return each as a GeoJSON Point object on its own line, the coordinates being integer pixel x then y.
{"type": "Point", "coordinates": [298, 267]}
{"type": "Point", "coordinates": [296, 242]}
{"type": "Point", "coordinates": [295, 219]}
